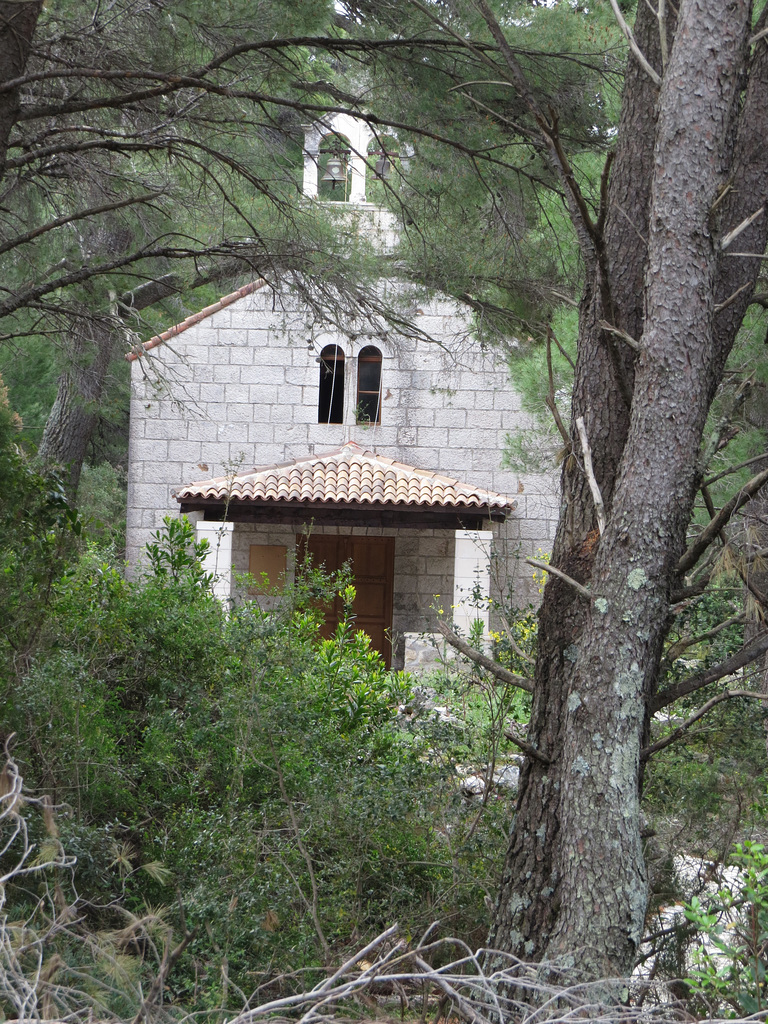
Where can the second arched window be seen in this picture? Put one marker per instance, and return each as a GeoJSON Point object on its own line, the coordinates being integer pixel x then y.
{"type": "Point", "coordinates": [369, 385]}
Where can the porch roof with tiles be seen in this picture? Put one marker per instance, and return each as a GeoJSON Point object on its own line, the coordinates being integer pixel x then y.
{"type": "Point", "coordinates": [347, 486]}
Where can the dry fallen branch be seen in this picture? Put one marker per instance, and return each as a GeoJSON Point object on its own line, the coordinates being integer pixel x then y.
{"type": "Point", "coordinates": [484, 986]}
{"type": "Point", "coordinates": [52, 965]}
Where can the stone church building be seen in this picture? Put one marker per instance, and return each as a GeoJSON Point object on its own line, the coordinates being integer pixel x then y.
{"type": "Point", "coordinates": [278, 435]}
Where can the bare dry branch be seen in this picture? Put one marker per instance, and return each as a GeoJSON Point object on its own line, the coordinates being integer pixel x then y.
{"type": "Point", "coordinates": [629, 36]}
{"type": "Point", "coordinates": [661, 14]}
{"type": "Point", "coordinates": [590, 472]}
{"type": "Point", "coordinates": [732, 298]}
{"type": "Point", "coordinates": [545, 567]}
{"type": "Point", "coordinates": [550, 399]}
{"type": "Point", "coordinates": [484, 661]}
{"type": "Point", "coordinates": [634, 345]}
{"type": "Point", "coordinates": [740, 228]}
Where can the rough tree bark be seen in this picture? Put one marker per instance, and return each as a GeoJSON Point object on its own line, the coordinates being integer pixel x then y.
{"type": "Point", "coordinates": [18, 20]}
{"type": "Point", "coordinates": [574, 877]}
{"type": "Point", "coordinates": [92, 343]}
{"type": "Point", "coordinates": [68, 430]}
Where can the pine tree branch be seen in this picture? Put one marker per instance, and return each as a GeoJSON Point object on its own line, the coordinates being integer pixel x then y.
{"type": "Point", "coordinates": [713, 528]}
{"type": "Point", "coordinates": [93, 211]}
{"type": "Point", "coordinates": [725, 668]}
{"type": "Point", "coordinates": [675, 735]}
{"type": "Point", "coordinates": [677, 649]}
{"type": "Point", "coordinates": [734, 469]}
{"type": "Point", "coordinates": [580, 215]}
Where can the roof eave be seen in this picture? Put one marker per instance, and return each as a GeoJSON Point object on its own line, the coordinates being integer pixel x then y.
{"type": "Point", "coordinates": [347, 513]}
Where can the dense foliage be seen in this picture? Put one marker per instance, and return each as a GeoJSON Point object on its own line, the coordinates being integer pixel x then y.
{"type": "Point", "coordinates": [282, 795]}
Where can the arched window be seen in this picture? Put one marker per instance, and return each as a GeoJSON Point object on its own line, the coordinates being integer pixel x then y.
{"type": "Point", "coordinates": [369, 385]}
{"type": "Point", "coordinates": [330, 404]}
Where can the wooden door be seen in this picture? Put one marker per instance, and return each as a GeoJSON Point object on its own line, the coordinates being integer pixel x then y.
{"type": "Point", "coordinates": [373, 570]}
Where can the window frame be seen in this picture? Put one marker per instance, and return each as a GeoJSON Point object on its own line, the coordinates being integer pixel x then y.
{"type": "Point", "coordinates": [367, 355]}
{"type": "Point", "coordinates": [329, 400]}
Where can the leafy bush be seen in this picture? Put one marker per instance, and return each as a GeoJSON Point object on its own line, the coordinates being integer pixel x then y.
{"type": "Point", "coordinates": [730, 960]}
{"type": "Point", "coordinates": [260, 771]}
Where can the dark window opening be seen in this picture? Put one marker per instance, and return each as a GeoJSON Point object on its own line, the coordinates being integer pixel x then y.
{"type": "Point", "coordinates": [369, 385]}
{"type": "Point", "coordinates": [330, 405]}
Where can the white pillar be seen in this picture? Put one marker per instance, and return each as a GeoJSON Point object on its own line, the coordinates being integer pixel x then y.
{"type": "Point", "coordinates": [359, 135]}
{"type": "Point", "coordinates": [356, 178]}
{"type": "Point", "coordinates": [312, 139]}
{"type": "Point", "coordinates": [218, 557]}
{"type": "Point", "coordinates": [472, 579]}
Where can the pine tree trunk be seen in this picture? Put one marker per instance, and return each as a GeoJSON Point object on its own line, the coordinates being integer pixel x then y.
{"type": "Point", "coordinates": [574, 878]}
{"type": "Point", "coordinates": [75, 412]}
{"type": "Point", "coordinates": [18, 20]}
{"type": "Point", "coordinates": [527, 910]}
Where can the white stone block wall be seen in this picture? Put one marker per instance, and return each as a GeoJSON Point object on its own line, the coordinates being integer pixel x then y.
{"type": "Point", "coordinates": [240, 389]}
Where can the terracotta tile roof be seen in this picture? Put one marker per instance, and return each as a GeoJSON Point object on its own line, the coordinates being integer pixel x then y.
{"type": "Point", "coordinates": [195, 318]}
{"type": "Point", "coordinates": [347, 475]}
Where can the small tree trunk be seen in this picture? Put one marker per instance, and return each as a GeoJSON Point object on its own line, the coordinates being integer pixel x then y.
{"type": "Point", "coordinates": [75, 412]}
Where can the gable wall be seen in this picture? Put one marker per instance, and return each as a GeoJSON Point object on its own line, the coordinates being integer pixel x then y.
{"type": "Point", "coordinates": [240, 389]}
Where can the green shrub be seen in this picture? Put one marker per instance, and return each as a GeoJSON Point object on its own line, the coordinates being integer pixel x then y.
{"type": "Point", "coordinates": [730, 959]}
